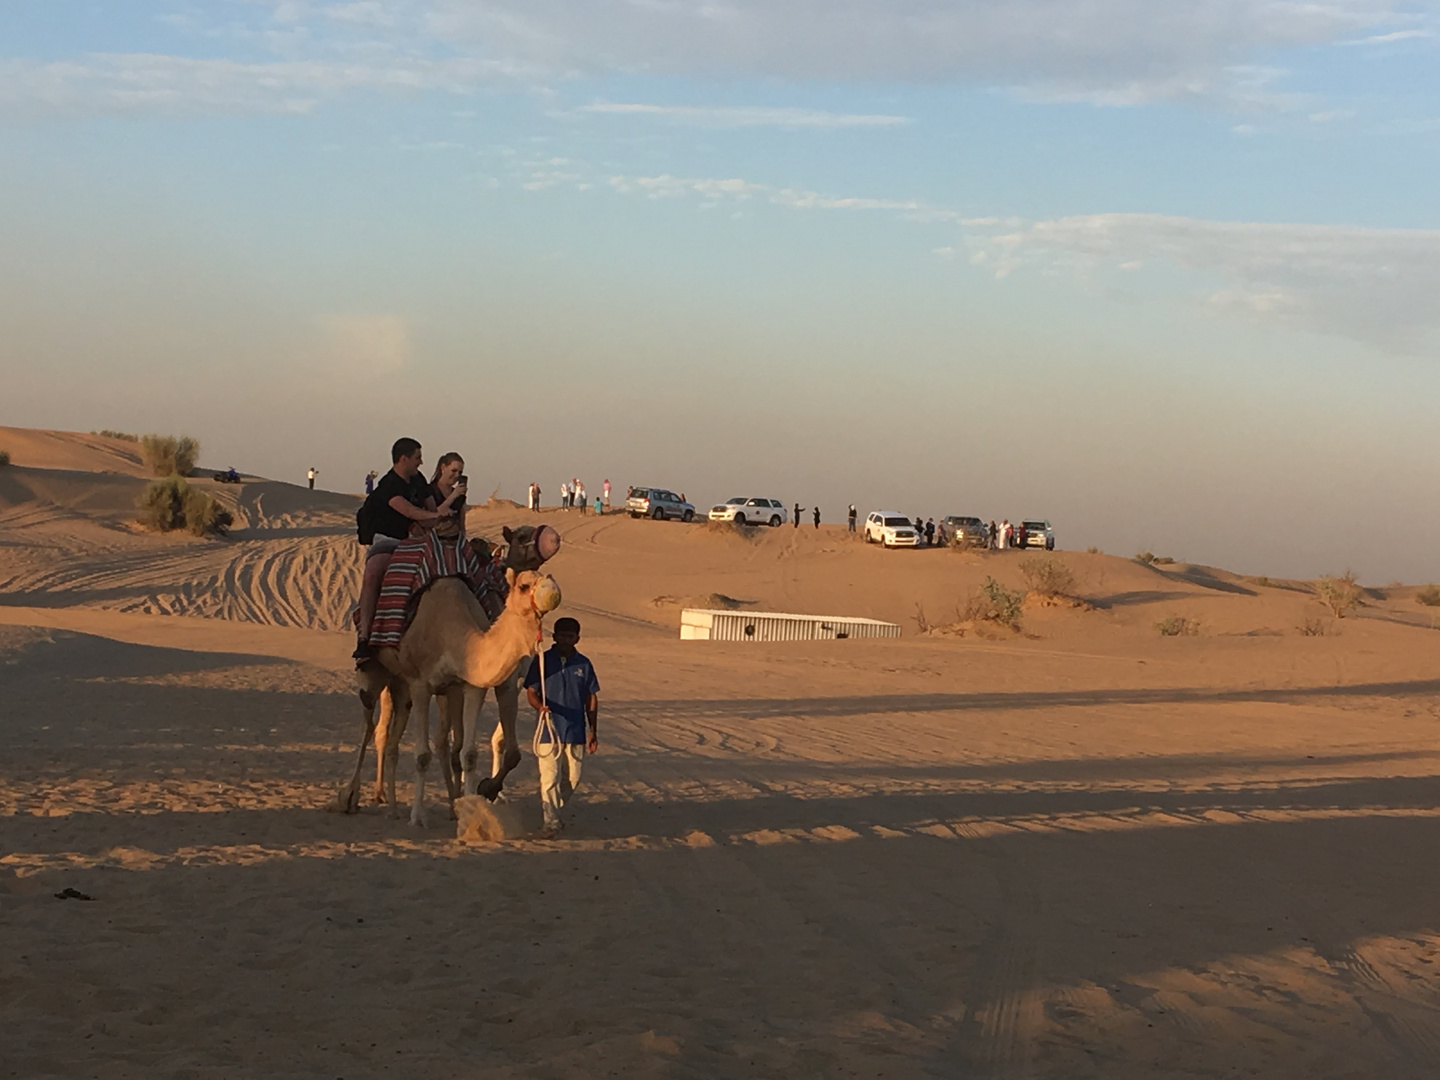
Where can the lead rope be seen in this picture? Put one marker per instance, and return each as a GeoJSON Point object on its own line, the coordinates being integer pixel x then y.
{"type": "Point", "coordinates": [544, 723]}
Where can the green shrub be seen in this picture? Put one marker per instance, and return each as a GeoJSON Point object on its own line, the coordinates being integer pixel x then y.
{"type": "Point", "coordinates": [1429, 596]}
{"type": "Point", "coordinates": [162, 504]}
{"type": "Point", "coordinates": [204, 514]}
{"type": "Point", "coordinates": [992, 602]}
{"type": "Point", "coordinates": [1178, 626]}
{"type": "Point", "coordinates": [170, 503]}
{"type": "Point", "coordinates": [4, 458]}
{"type": "Point", "coordinates": [1048, 576]}
{"type": "Point", "coordinates": [165, 455]}
{"type": "Point", "coordinates": [1339, 594]}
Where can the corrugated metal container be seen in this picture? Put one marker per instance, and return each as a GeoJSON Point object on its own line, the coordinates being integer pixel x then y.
{"type": "Point", "coordinates": [703, 624]}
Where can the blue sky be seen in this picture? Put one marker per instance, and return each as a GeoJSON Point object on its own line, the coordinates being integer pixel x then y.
{"type": "Point", "coordinates": [1165, 274]}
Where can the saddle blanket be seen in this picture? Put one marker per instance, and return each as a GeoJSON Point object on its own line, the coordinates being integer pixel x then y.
{"type": "Point", "coordinates": [417, 564]}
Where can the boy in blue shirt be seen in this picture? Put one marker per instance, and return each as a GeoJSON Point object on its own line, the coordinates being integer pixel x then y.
{"type": "Point", "coordinates": [566, 720]}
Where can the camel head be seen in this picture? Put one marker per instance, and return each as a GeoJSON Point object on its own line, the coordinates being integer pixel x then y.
{"type": "Point", "coordinates": [530, 546]}
{"type": "Point", "coordinates": [530, 590]}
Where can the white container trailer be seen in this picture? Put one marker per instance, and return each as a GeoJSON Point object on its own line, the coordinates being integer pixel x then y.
{"type": "Point", "coordinates": [704, 624]}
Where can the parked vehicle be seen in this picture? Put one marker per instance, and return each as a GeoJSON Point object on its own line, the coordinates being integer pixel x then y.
{"type": "Point", "coordinates": [1038, 534]}
{"type": "Point", "coordinates": [963, 532]}
{"type": "Point", "coordinates": [229, 476]}
{"type": "Point", "coordinates": [753, 511]}
{"type": "Point", "coordinates": [658, 503]}
{"type": "Point", "coordinates": [889, 529]}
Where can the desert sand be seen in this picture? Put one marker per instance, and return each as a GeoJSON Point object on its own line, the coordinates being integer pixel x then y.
{"type": "Point", "coordinates": [1082, 850]}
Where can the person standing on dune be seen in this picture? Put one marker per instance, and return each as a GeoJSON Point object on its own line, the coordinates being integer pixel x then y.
{"type": "Point", "coordinates": [798, 511]}
{"type": "Point", "coordinates": [817, 517]}
{"type": "Point", "coordinates": [851, 518]}
{"type": "Point", "coordinates": [605, 492]}
{"type": "Point", "coordinates": [311, 477]}
{"type": "Point", "coordinates": [580, 500]}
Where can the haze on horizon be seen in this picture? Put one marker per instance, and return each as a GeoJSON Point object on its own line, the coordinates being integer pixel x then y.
{"type": "Point", "coordinates": [1167, 277]}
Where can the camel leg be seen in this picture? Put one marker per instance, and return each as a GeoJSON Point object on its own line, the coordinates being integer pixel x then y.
{"type": "Point", "coordinates": [420, 702]}
{"type": "Point", "coordinates": [350, 799]}
{"type": "Point", "coordinates": [474, 697]}
{"type": "Point", "coordinates": [399, 719]}
{"type": "Point", "coordinates": [504, 745]}
{"type": "Point", "coordinates": [382, 741]}
{"type": "Point", "coordinates": [451, 728]}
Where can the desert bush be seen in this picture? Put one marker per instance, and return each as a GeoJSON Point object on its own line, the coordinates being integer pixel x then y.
{"type": "Point", "coordinates": [1146, 557]}
{"type": "Point", "coordinates": [1048, 576]}
{"type": "Point", "coordinates": [165, 455]}
{"type": "Point", "coordinates": [1163, 560]}
{"type": "Point", "coordinates": [1092, 550]}
{"type": "Point", "coordinates": [170, 503]}
{"type": "Point", "coordinates": [1178, 626]}
{"type": "Point", "coordinates": [992, 602]}
{"type": "Point", "coordinates": [1339, 594]}
{"type": "Point", "coordinates": [921, 622]}
{"type": "Point", "coordinates": [4, 458]}
{"type": "Point", "coordinates": [1314, 628]}
{"type": "Point", "coordinates": [125, 435]}
{"type": "Point", "coordinates": [162, 504]}
{"type": "Point", "coordinates": [204, 514]}
{"type": "Point", "coordinates": [1429, 596]}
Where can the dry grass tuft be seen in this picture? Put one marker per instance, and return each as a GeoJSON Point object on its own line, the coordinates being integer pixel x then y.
{"type": "Point", "coordinates": [4, 458]}
{"type": "Point", "coordinates": [1178, 626]}
{"type": "Point", "coordinates": [1048, 577]}
{"type": "Point", "coordinates": [124, 436]}
{"type": "Point", "coordinates": [1314, 628]}
{"type": "Point", "coordinates": [1339, 594]}
{"type": "Point", "coordinates": [1429, 596]}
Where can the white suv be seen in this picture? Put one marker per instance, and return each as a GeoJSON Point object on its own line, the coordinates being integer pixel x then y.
{"type": "Point", "coordinates": [745, 511]}
{"type": "Point", "coordinates": [658, 503]}
{"type": "Point", "coordinates": [890, 530]}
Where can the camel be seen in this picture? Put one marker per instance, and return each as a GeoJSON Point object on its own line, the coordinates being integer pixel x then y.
{"type": "Point", "coordinates": [451, 641]}
{"type": "Point", "coordinates": [380, 689]}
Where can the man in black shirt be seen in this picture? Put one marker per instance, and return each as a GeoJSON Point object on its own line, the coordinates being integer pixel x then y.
{"type": "Point", "coordinates": [399, 499]}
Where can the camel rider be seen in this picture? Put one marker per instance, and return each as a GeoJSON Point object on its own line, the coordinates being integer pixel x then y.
{"type": "Point", "coordinates": [399, 500]}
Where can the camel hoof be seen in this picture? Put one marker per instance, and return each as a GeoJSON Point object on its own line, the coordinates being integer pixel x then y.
{"type": "Point", "coordinates": [490, 788]}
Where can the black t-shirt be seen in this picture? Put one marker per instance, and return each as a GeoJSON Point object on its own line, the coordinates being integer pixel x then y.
{"type": "Point", "coordinates": [389, 521]}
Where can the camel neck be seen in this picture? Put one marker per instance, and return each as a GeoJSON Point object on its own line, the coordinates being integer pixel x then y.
{"type": "Point", "coordinates": [493, 654]}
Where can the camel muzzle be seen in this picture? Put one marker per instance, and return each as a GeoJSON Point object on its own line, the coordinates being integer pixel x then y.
{"type": "Point", "coordinates": [546, 595]}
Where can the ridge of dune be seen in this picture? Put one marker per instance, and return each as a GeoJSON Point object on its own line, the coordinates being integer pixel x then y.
{"type": "Point", "coordinates": [72, 450]}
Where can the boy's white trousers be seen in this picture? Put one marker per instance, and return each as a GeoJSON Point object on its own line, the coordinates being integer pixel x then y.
{"type": "Point", "coordinates": [559, 777]}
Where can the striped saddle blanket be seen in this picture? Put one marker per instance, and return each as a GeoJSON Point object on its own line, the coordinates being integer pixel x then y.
{"type": "Point", "coordinates": [416, 565]}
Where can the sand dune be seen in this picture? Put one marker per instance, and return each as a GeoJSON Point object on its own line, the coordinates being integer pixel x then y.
{"type": "Point", "coordinates": [1081, 850]}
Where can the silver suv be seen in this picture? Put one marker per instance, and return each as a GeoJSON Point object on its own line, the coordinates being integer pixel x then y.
{"type": "Point", "coordinates": [963, 532]}
{"type": "Point", "coordinates": [657, 503]}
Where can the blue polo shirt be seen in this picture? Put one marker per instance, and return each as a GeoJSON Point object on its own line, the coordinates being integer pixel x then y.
{"type": "Point", "coordinates": [568, 686]}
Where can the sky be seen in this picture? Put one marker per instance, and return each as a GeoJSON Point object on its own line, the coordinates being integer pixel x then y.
{"type": "Point", "coordinates": [1165, 274]}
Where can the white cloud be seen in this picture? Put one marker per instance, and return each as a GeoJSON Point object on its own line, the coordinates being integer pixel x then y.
{"type": "Point", "coordinates": [1107, 51]}
{"type": "Point", "coordinates": [743, 117]}
{"type": "Point", "coordinates": [1386, 39]}
{"type": "Point", "coordinates": [666, 186]}
{"type": "Point", "coordinates": [1374, 285]}
{"type": "Point", "coordinates": [143, 82]}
